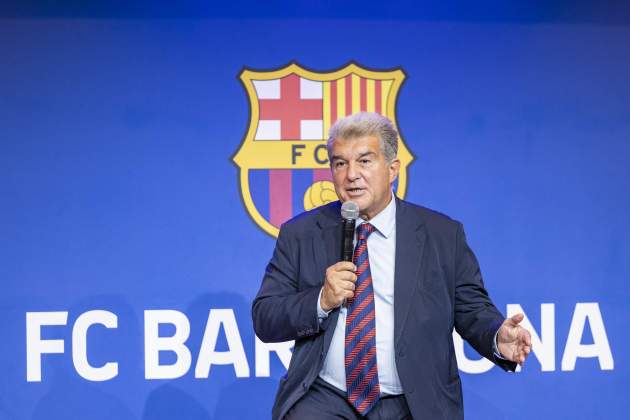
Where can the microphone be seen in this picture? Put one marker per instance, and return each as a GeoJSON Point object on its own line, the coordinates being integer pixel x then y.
{"type": "Point", "coordinates": [349, 214]}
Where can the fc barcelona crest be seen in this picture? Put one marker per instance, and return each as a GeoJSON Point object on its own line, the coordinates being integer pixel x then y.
{"type": "Point", "coordinates": [283, 163]}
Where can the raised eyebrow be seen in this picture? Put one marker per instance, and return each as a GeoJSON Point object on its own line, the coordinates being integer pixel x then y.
{"type": "Point", "coordinates": [362, 155]}
{"type": "Point", "coordinates": [336, 157]}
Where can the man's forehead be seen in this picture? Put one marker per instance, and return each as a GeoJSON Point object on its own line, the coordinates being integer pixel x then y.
{"type": "Point", "coordinates": [356, 146]}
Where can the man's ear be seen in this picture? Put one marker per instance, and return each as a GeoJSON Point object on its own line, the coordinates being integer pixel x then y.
{"type": "Point", "coordinates": [394, 168]}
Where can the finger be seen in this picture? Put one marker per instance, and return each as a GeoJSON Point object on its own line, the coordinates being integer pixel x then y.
{"type": "Point", "coordinates": [346, 276]}
{"type": "Point", "coordinates": [344, 266]}
{"type": "Point", "coordinates": [347, 285]}
{"type": "Point", "coordinates": [517, 318]}
{"type": "Point", "coordinates": [523, 337]}
{"type": "Point", "coordinates": [335, 278]}
{"type": "Point", "coordinates": [347, 294]}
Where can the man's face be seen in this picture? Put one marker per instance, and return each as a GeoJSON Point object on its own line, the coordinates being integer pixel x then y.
{"type": "Point", "coordinates": [361, 174]}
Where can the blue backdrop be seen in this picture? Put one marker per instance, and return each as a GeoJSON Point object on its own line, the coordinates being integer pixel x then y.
{"type": "Point", "coordinates": [119, 194]}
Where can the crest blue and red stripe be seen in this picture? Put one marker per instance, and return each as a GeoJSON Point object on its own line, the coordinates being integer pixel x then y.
{"type": "Point", "coordinates": [277, 200]}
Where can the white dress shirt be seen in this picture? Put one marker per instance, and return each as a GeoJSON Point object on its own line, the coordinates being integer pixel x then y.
{"type": "Point", "coordinates": [381, 246]}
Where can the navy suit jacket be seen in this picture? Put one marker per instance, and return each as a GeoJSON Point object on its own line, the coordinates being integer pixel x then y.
{"type": "Point", "coordinates": [438, 287]}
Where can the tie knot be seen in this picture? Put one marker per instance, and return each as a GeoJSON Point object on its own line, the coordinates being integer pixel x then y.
{"type": "Point", "coordinates": [365, 229]}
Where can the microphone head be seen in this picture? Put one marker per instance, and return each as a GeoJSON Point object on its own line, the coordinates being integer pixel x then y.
{"type": "Point", "coordinates": [350, 210]}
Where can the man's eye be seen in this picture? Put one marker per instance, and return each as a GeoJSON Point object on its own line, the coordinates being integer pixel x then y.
{"type": "Point", "coordinates": [339, 164]}
{"type": "Point", "coordinates": [365, 161]}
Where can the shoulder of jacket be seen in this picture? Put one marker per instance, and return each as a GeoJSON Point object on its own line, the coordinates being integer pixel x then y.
{"type": "Point", "coordinates": [434, 220]}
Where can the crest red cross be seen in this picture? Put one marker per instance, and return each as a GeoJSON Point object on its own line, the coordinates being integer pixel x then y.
{"type": "Point", "coordinates": [291, 109]}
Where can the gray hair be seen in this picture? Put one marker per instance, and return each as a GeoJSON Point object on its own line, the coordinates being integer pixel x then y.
{"type": "Point", "coordinates": [366, 124]}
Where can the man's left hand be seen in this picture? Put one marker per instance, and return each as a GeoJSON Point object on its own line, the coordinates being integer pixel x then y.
{"type": "Point", "coordinates": [514, 341]}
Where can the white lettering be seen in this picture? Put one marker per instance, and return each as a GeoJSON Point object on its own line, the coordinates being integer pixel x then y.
{"type": "Point", "coordinates": [35, 346]}
{"type": "Point", "coordinates": [153, 344]}
{"type": "Point", "coordinates": [79, 346]}
{"type": "Point", "coordinates": [600, 348]}
{"type": "Point", "coordinates": [234, 356]}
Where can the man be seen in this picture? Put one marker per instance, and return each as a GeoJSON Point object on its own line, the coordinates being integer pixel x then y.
{"type": "Point", "coordinates": [374, 338]}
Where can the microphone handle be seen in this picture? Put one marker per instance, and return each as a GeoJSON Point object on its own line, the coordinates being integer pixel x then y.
{"type": "Point", "coordinates": [347, 245]}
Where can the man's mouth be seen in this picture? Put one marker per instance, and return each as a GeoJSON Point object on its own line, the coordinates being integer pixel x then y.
{"type": "Point", "coordinates": [354, 190]}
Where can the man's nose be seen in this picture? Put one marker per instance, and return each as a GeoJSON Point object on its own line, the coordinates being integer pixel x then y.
{"type": "Point", "coordinates": [353, 172]}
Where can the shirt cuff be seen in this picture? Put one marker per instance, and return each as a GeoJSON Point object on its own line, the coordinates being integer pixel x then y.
{"type": "Point", "coordinates": [495, 346]}
{"type": "Point", "coordinates": [321, 314]}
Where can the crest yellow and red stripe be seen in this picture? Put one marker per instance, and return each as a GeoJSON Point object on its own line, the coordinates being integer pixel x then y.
{"type": "Point", "coordinates": [349, 95]}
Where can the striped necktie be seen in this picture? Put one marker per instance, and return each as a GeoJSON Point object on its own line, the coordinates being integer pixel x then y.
{"type": "Point", "coordinates": [360, 347]}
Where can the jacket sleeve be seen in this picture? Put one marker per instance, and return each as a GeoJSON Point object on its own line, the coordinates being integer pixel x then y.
{"type": "Point", "coordinates": [476, 318]}
{"type": "Point", "coordinates": [282, 310]}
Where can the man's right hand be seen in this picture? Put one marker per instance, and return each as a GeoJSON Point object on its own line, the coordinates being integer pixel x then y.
{"type": "Point", "coordinates": [338, 285]}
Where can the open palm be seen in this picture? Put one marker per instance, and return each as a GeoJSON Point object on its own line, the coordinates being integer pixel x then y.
{"type": "Point", "coordinates": [514, 342]}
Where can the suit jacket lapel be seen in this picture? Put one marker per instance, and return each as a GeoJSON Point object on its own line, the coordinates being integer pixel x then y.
{"type": "Point", "coordinates": [410, 241]}
{"type": "Point", "coordinates": [329, 221]}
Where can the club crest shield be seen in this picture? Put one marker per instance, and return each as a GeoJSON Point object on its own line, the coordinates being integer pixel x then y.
{"type": "Point", "coordinates": [283, 162]}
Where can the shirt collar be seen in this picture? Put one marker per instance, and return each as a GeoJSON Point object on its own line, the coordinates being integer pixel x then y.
{"type": "Point", "coordinates": [385, 221]}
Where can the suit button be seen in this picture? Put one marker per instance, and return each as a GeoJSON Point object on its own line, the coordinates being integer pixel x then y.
{"type": "Point", "coordinates": [304, 385]}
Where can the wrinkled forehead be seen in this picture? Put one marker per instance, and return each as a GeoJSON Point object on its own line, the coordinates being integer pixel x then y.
{"type": "Point", "coordinates": [349, 147]}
